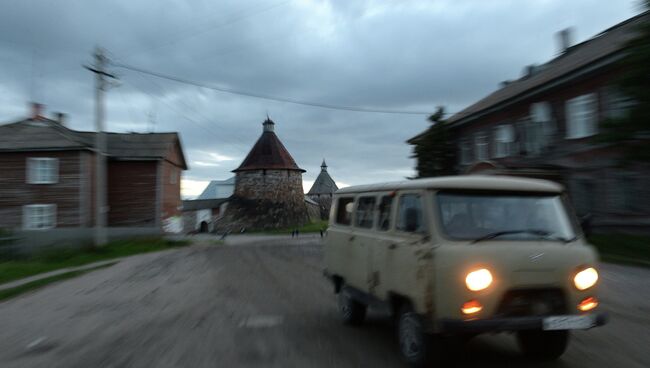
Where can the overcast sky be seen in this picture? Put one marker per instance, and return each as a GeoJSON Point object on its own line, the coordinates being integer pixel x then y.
{"type": "Point", "coordinates": [396, 55]}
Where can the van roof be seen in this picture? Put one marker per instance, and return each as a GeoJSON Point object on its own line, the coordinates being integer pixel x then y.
{"type": "Point", "coordinates": [471, 182]}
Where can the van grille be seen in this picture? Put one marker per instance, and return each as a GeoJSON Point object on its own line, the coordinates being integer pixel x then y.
{"type": "Point", "coordinates": [532, 302]}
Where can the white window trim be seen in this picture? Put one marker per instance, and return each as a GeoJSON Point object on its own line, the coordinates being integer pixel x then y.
{"type": "Point", "coordinates": [507, 142]}
{"type": "Point", "coordinates": [478, 147]}
{"type": "Point", "coordinates": [32, 177]}
{"type": "Point", "coordinates": [28, 223]}
{"type": "Point", "coordinates": [581, 100]}
{"type": "Point", "coordinates": [465, 152]}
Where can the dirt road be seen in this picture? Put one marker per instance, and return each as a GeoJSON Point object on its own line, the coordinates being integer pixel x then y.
{"type": "Point", "coordinates": [260, 302]}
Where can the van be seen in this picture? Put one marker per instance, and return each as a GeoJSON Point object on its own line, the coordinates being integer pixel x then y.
{"type": "Point", "coordinates": [453, 257]}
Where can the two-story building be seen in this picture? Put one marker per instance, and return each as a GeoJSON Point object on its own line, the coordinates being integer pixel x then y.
{"type": "Point", "coordinates": [546, 124]}
{"type": "Point", "coordinates": [47, 180]}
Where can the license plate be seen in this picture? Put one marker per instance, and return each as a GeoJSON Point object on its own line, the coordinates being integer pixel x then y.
{"type": "Point", "coordinates": [568, 322]}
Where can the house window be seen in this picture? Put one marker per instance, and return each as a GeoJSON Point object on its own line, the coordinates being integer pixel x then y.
{"type": "Point", "coordinates": [617, 105]}
{"type": "Point", "coordinates": [39, 216]}
{"type": "Point", "coordinates": [504, 138]}
{"type": "Point", "coordinates": [42, 170]}
{"type": "Point", "coordinates": [465, 152]}
{"type": "Point", "coordinates": [481, 146]}
{"type": "Point", "coordinates": [581, 116]}
{"type": "Point", "coordinates": [173, 177]}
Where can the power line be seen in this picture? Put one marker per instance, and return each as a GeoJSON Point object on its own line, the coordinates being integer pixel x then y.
{"type": "Point", "coordinates": [268, 97]}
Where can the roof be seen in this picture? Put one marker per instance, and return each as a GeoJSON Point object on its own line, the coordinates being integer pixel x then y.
{"type": "Point", "coordinates": [45, 134]}
{"type": "Point", "coordinates": [202, 204]}
{"type": "Point", "coordinates": [310, 201]}
{"type": "Point", "coordinates": [268, 153]}
{"type": "Point", "coordinates": [595, 52]}
{"type": "Point", "coordinates": [211, 190]}
{"type": "Point", "coordinates": [470, 182]}
{"type": "Point", "coordinates": [324, 183]}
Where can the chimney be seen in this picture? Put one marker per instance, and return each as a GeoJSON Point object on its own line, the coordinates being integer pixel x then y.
{"type": "Point", "coordinates": [59, 117]}
{"type": "Point", "coordinates": [36, 110]}
{"type": "Point", "coordinates": [564, 39]}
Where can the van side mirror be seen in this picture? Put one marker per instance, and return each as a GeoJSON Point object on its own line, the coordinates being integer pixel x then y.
{"type": "Point", "coordinates": [585, 224]}
{"type": "Point", "coordinates": [411, 219]}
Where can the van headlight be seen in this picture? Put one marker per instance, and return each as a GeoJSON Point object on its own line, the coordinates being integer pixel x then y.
{"type": "Point", "coordinates": [586, 278]}
{"type": "Point", "coordinates": [478, 280]}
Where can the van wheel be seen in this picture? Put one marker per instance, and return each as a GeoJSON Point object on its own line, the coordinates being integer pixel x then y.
{"type": "Point", "coordinates": [352, 311]}
{"type": "Point", "coordinates": [543, 345]}
{"type": "Point", "coordinates": [416, 347]}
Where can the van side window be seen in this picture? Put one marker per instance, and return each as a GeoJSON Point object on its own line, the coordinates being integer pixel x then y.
{"type": "Point", "coordinates": [365, 212]}
{"type": "Point", "coordinates": [344, 211]}
{"type": "Point", "coordinates": [385, 207]}
{"type": "Point", "coordinates": [409, 215]}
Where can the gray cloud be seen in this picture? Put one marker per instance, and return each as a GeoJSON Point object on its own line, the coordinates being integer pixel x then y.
{"type": "Point", "coordinates": [391, 55]}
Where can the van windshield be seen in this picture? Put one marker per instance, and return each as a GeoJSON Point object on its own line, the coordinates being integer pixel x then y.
{"type": "Point", "coordinates": [484, 216]}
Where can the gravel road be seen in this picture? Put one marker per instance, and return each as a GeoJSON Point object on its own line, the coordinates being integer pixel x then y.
{"type": "Point", "coordinates": [261, 302]}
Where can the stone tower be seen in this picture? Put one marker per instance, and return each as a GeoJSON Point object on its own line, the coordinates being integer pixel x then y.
{"type": "Point", "coordinates": [322, 190]}
{"type": "Point", "coordinates": [268, 187]}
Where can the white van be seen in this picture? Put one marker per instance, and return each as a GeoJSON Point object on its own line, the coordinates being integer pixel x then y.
{"type": "Point", "coordinates": [459, 256]}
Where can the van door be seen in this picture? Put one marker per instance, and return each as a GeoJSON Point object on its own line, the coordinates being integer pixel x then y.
{"type": "Point", "coordinates": [403, 227]}
{"type": "Point", "coordinates": [362, 242]}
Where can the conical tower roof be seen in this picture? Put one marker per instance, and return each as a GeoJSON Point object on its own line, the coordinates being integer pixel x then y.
{"type": "Point", "coordinates": [324, 183]}
{"type": "Point", "coordinates": [268, 153]}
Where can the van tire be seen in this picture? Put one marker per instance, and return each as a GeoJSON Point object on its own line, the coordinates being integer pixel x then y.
{"type": "Point", "coordinates": [416, 346]}
{"type": "Point", "coordinates": [543, 345]}
{"type": "Point", "coordinates": [352, 311]}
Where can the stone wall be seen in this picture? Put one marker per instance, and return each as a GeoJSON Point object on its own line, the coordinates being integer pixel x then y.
{"type": "Point", "coordinates": [283, 186]}
{"type": "Point", "coordinates": [325, 203]}
{"type": "Point", "coordinates": [259, 214]}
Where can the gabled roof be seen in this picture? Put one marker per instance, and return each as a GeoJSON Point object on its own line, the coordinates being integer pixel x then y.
{"type": "Point", "coordinates": [203, 204]}
{"type": "Point", "coordinates": [49, 135]}
{"type": "Point", "coordinates": [602, 49]}
{"type": "Point", "coordinates": [268, 153]}
{"type": "Point", "coordinates": [324, 183]}
{"type": "Point", "coordinates": [210, 191]}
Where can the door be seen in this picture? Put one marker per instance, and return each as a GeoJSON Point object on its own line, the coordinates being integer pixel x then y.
{"type": "Point", "coordinates": [403, 227]}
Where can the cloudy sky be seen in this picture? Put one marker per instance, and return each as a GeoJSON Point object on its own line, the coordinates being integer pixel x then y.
{"type": "Point", "coordinates": [388, 55]}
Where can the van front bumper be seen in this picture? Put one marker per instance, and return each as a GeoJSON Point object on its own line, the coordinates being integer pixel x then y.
{"type": "Point", "coordinates": [511, 324]}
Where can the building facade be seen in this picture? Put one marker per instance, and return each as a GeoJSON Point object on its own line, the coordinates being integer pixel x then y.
{"type": "Point", "coordinates": [47, 185]}
{"type": "Point", "coordinates": [268, 190]}
{"type": "Point", "coordinates": [322, 190]}
{"type": "Point", "coordinates": [548, 123]}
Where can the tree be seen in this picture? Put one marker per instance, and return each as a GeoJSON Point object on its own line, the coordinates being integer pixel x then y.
{"type": "Point", "coordinates": [633, 84]}
{"type": "Point", "coordinates": [435, 149]}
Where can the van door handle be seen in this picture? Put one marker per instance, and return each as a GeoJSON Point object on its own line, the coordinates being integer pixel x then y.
{"type": "Point", "coordinates": [351, 238]}
{"type": "Point", "coordinates": [392, 246]}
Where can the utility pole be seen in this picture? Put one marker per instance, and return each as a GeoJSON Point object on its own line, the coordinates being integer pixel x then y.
{"type": "Point", "coordinates": [101, 207]}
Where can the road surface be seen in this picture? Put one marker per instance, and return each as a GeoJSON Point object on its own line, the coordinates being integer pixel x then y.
{"type": "Point", "coordinates": [261, 302]}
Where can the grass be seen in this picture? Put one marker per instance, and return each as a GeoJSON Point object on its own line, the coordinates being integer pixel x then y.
{"type": "Point", "coordinates": [313, 227]}
{"type": "Point", "coordinates": [618, 248]}
{"type": "Point", "coordinates": [54, 259]}
{"type": "Point", "coordinates": [10, 293]}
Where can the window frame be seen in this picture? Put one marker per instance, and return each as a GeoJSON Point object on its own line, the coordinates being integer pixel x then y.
{"type": "Point", "coordinates": [391, 222]}
{"type": "Point", "coordinates": [339, 208]}
{"type": "Point", "coordinates": [29, 222]}
{"type": "Point", "coordinates": [396, 225]}
{"type": "Point", "coordinates": [480, 146]}
{"type": "Point", "coordinates": [355, 222]}
{"type": "Point", "coordinates": [34, 170]}
{"type": "Point", "coordinates": [499, 142]}
{"type": "Point", "coordinates": [465, 148]}
{"type": "Point", "coordinates": [584, 123]}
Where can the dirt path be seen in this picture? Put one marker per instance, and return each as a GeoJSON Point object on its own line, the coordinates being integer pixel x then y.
{"type": "Point", "coordinates": [258, 302]}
